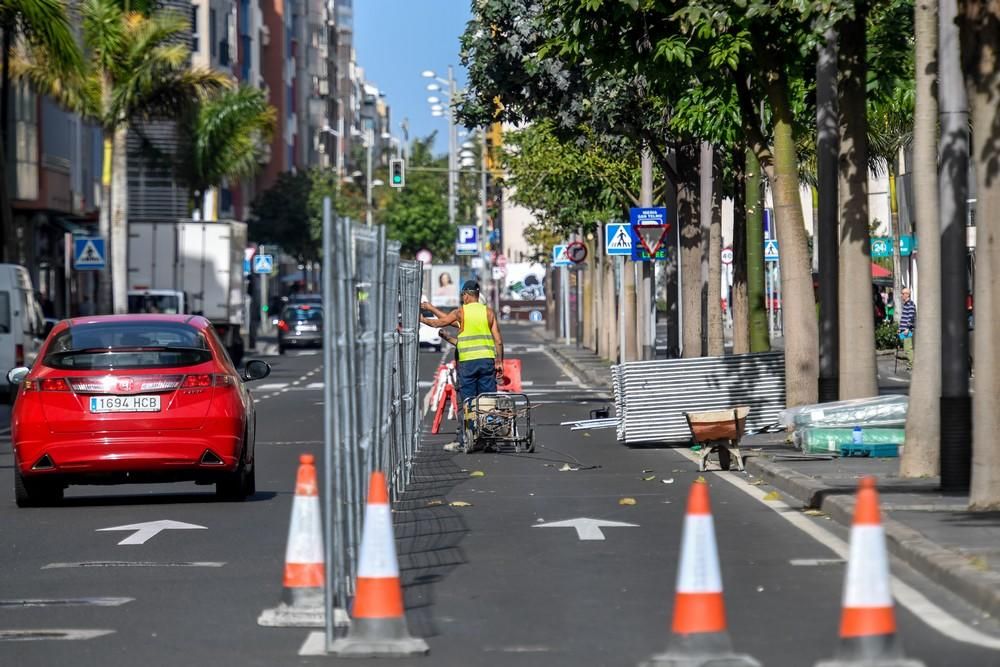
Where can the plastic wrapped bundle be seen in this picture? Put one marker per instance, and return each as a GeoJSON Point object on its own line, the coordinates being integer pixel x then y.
{"type": "Point", "coordinates": [876, 441]}
{"type": "Point", "coordinates": [881, 411]}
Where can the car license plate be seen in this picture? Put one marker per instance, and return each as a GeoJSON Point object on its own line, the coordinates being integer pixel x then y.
{"type": "Point", "coordinates": [307, 327]}
{"type": "Point", "coordinates": [124, 403]}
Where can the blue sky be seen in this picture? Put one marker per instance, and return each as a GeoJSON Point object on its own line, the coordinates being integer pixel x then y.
{"type": "Point", "coordinates": [395, 40]}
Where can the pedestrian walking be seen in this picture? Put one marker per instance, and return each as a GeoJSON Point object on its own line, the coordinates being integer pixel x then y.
{"type": "Point", "coordinates": [479, 343]}
{"type": "Point", "coordinates": [907, 325]}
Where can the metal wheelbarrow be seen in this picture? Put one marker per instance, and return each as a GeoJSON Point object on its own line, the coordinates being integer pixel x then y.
{"type": "Point", "coordinates": [719, 431]}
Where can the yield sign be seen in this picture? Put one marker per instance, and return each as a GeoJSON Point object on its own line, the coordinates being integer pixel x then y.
{"type": "Point", "coordinates": [651, 237]}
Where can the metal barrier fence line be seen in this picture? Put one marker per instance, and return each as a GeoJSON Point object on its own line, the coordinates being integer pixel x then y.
{"type": "Point", "coordinates": [370, 352]}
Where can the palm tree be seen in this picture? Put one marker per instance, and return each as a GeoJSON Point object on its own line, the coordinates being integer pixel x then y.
{"type": "Point", "coordinates": [136, 70]}
{"type": "Point", "coordinates": [34, 24]}
{"type": "Point", "coordinates": [222, 139]}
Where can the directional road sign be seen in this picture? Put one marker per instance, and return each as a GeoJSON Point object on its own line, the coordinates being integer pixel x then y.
{"type": "Point", "coordinates": [89, 253]}
{"type": "Point", "coordinates": [559, 257]}
{"type": "Point", "coordinates": [771, 250]}
{"type": "Point", "coordinates": [263, 263]}
{"type": "Point", "coordinates": [617, 240]}
{"type": "Point", "coordinates": [642, 217]}
{"type": "Point", "coordinates": [468, 240]}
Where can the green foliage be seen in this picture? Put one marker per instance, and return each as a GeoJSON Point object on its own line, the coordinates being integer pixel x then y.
{"type": "Point", "coordinates": [886, 336]}
{"type": "Point", "coordinates": [289, 214]}
{"type": "Point", "coordinates": [223, 138]}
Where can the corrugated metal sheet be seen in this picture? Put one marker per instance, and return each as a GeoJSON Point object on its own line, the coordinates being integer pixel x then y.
{"type": "Point", "coordinates": [651, 396]}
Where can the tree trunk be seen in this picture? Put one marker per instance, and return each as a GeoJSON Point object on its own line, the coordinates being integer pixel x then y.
{"type": "Point", "coordinates": [587, 296]}
{"type": "Point", "coordinates": [609, 333]}
{"type": "Point", "coordinates": [953, 187]}
{"type": "Point", "coordinates": [760, 340]}
{"type": "Point", "coordinates": [645, 296]}
{"type": "Point", "coordinates": [920, 456]}
{"type": "Point", "coordinates": [104, 224]}
{"type": "Point", "coordinates": [6, 209]}
{"type": "Point", "coordinates": [897, 257]}
{"type": "Point", "coordinates": [799, 307]}
{"type": "Point", "coordinates": [715, 333]}
{"type": "Point", "coordinates": [690, 228]}
{"type": "Point", "coordinates": [858, 377]}
{"type": "Point", "coordinates": [981, 54]}
{"type": "Point", "coordinates": [826, 237]}
{"type": "Point", "coordinates": [119, 220]}
{"type": "Point", "coordinates": [741, 307]}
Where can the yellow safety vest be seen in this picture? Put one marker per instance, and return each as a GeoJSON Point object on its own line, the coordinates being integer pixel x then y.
{"type": "Point", "coordinates": [475, 341]}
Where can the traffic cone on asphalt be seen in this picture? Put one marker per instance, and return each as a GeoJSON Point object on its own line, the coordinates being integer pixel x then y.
{"type": "Point", "coordinates": [699, 634]}
{"type": "Point", "coordinates": [305, 575]}
{"type": "Point", "coordinates": [378, 626]}
{"type": "Point", "coordinates": [868, 622]}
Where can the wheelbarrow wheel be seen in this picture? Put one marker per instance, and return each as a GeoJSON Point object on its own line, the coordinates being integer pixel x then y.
{"type": "Point", "coordinates": [725, 458]}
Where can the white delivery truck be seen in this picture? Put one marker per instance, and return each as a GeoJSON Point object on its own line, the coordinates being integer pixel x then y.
{"type": "Point", "coordinates": [194, 267]}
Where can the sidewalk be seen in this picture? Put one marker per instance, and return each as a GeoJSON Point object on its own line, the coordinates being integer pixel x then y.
{"type": "Point", "coordinates": [931, 531]}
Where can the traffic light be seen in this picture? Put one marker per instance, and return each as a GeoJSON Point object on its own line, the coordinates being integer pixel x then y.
{"type": "Point", "coordinates": [397, 173]}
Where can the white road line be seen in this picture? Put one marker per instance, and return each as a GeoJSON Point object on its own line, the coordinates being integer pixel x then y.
{"type": "Point", "coordinates": [131, 563]}
{"type": "Point", "coordinates": [564, 383]}
{"type": "Point", "coordinates": [271, 387]}
{"type": "Point", "coordinates": [814, 562]}
{"type": "Point", "coordinates": [563, 367]}
{"type": "Point", "coordinates": [315, 644]}
{"type": "Point", "coordinates": [918, 604]}
{"type": "Point", "coordinates": [59, 635]}
{"type": "Point", "coordinates": [68, 602]}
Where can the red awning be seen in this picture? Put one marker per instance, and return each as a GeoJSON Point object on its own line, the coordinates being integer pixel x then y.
{"type": "Point", "coordinates": [879, 272]}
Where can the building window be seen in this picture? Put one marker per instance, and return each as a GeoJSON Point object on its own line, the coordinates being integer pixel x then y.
{"type": "Point", "coordinates": [194, 28]}
{"type": "Point", "coordinates": [26, 142]}
{"type": "Point", "coordinates": [212, 32]}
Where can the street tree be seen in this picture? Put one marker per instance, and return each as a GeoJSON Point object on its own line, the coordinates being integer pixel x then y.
{"type": "Point", "coordinates": [289, 214]}
{"type": "Point", "coordinates": [40, 29]}
{"type": "Point", "coordinates": [979, 23]}
{"type": "Point", "coordinates": [222, 139]}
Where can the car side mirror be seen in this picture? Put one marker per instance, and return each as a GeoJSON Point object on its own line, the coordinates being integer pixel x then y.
{"type": "Point", "coordinates": [255, 370]}
{"type": "Point", "coordinates": [16, 376]}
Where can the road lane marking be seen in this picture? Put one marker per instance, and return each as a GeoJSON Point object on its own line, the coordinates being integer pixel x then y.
{"type": "Point", "coordinates": [315, 644]}
{"type": "Point", "coordinates": [59, 635]}
{"type": "Point", "coordinates": [271, 387]}
{"type": "Point", "coordinates": [587, 529]}
{"type": "Point", "coordinates": [67, 602]}
{"type": "Point", "coordinates": [566, 370]}
{"type": "Point", "coordinates": [814, 562]}
{"type": "Point", "coordinates": [132, 563]}
{"type": "Point", "coordinates": [916, 602]}
{"type": "Point", "coordinates": [149, 529]}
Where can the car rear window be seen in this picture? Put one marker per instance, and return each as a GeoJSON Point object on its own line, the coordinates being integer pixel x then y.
{"type": "Point", "coordinates": [110, 346]}
{"type": "Point", "coordinates": [302, 314]}
{"type": "Point", "coordinates": [4, 312]}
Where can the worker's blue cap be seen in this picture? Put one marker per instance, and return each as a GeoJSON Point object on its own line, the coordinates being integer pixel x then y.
{"type": "Point", "coordinates": [470, 286]}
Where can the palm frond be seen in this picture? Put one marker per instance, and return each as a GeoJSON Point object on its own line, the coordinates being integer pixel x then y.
{"type": "Point", "coordinates": [104, 34]}
{"type": "Point", "coordinates": [45, 24]}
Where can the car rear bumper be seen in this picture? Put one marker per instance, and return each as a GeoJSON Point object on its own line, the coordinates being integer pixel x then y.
{"type": "Point", "coordinates": [84, 458]}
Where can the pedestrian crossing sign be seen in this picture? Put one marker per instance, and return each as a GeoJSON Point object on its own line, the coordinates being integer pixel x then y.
{"type": "Point", "coordinates": [89, 253]}
{"type": "Point", "coordinates": [771, 250]}
{"type": "Point", "coordinates": [559, 257]}
{"type": "Point", "coordinates": [263, 263]}
{"type": "Point", "coordinates": [617, 240]}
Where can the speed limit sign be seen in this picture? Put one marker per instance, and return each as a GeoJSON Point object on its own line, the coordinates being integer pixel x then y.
{"type": "Point", "coordinates": [727, 255]}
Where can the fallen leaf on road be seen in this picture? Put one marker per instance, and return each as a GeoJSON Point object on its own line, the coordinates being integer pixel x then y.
{"type": "Point", "coordinates": [539, 520]}
{"type": "Point", "coordinates": [567, 468]}
{"type": "Point", "coordinates": [668, 481]}
{"type": "Point", "coordinates": [979, 563]}
{"type": "Point", "coordinates": [701, 479]}
{"type": "Point", "coordinates": [477, 473]}
{"type": "Point", "coordinates": [434, 503]}
{"type": "Point", "coordinates": [649, 479]}
{"type": "Point", "coordinates": [459, 503]}
{"type": "Point", "coordinates": [647, 471]}
{"type": "Point", "coordinates": [627, 501]}
{"type": "Point", "coordinates": [757, 482]}
{"type": "Point", "coordinates": [773, 495]}
{"type": "Point", "coordinates": [586, 435]}
{"type": "Point", "coordinates": [812, 513]}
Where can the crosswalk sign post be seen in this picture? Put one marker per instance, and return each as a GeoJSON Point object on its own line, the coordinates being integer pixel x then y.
{"type": "Point", "coordinates": [771, 250]}
{"type": "Point", "coordinates": [617, 240]}
{"type": "Point", "coordinates": [263, 264]}
{"type": "Point", "coordinates": [89, 254]}
{"type": "Point", "coordinates": [559, 257]}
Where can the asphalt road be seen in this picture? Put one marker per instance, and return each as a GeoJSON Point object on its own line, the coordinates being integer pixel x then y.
{"type": "Point", "coordinates": [484, 584]}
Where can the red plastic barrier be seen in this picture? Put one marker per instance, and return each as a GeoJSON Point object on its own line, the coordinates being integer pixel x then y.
{"type": "Point", "coordinates": [511, 380]}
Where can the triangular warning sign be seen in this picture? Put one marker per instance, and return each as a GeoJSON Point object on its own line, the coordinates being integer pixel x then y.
{"type": "Point", "coordinates": [651, 237]}
{"type": "Point", "coordinates": [622, 240]}
{"type": "Point", "coordinates": [89, 254]}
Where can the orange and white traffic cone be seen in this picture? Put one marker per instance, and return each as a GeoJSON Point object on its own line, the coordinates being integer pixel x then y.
{"type": "Point", "coordinates": [305, 575]}
{"type": "Point", "coordinates": [378, 624]}
{"type": "Point", "coordinates": [868, 620]}
{"type": "Point", "coordinates": [699, 634]}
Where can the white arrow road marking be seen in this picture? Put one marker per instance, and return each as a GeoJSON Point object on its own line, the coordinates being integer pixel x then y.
{"type": "Point", "coordinates": [587, 529]}
{"type": "Point", "coordinates": [144, 531]}
{"type": "Point", "coordinates": [36, 635]}
{"type": "Point", "coordinates": [66, 602]}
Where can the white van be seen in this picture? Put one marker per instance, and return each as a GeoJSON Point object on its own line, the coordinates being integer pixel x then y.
{"type": "Point", "coordinates": [22, 325]}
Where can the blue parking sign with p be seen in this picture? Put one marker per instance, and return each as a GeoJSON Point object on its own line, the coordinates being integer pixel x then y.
{"type": "Point", "coordinates": [467, 242]}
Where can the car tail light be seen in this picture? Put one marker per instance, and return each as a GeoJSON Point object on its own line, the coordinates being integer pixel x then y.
{"type": "Point", "coordinates": [47, 384]}
{"type": "Point", "coordinates": [120, 384]}
{"type": "Point", "coordinates": [207, 380]}
{"type": "Point", "coordinates": [283, 325]}
{"type": "Point", "coordinates": [19, 355]}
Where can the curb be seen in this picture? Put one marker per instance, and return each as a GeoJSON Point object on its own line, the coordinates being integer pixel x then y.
{"type": "Point", "coordinates": [947, 568]}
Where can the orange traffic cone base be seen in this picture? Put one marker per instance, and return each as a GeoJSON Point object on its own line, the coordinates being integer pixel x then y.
{"type": "Point", "coordinates": [701, 650]}
{"type": "Point", "coordinates": [378, 637]}
{"type": "Point", "coordinates": [870, 650]}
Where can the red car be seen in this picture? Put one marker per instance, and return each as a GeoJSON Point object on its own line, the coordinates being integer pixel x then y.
{"type": "Point", "coordinates": [133, 399]}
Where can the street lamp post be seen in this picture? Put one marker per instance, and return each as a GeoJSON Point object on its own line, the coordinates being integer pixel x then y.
{"type": "Point", "coordinates": [452, 134]}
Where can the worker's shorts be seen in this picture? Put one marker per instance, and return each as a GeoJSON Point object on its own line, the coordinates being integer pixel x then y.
{"type": "Point", "coordinates": [476, 377]}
